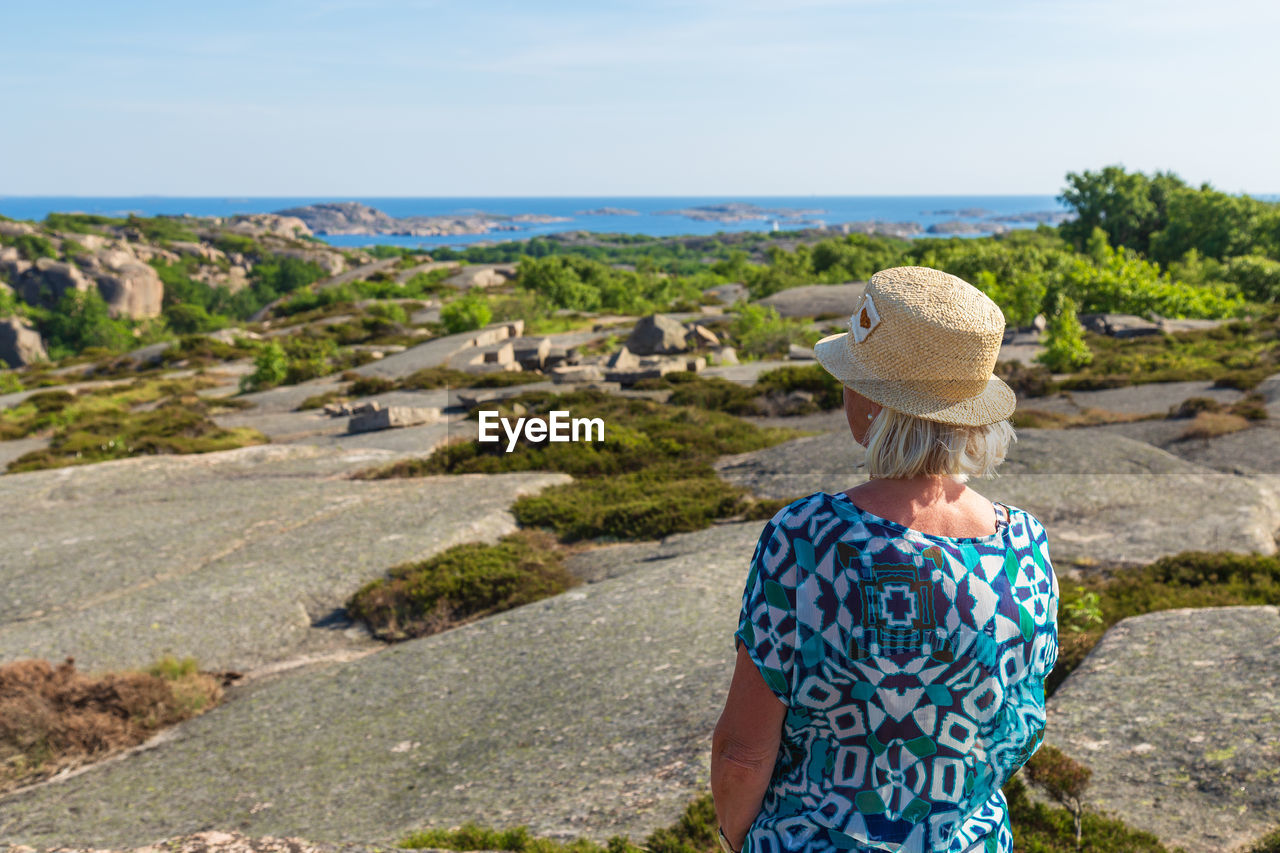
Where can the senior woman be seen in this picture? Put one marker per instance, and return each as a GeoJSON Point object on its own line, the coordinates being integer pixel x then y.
{"type": "Point", "coordinates": [894, 638]}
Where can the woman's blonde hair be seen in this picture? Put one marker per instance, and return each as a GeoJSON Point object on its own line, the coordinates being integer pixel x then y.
{"type": "Point", "coordinates": [901, 446]}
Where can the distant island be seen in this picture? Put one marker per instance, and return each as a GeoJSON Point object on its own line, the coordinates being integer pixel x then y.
{"type": "Point", "coordinates": [349, 217]}
{"type": "Point", "coordinates": [966, 212]}
{"type": "Point", "coordinates": [609, 211]}
{"type": "Point", "coordinates": [739, 211]}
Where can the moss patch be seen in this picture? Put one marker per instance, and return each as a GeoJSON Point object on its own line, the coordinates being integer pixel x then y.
{"type": "Point", "coordinates": [52, 717]}
{"type": "Point", "coordinates": [1037, 828]}
{"type": "Point", "coordinates": [145, 417]}
{"type": "Point", "coordinates": [464, 583]}
{"type": "Point", "coordinates": [650, 477]}
{"type": "Point", "coordinates": [772, 394]}
{"type": "Point", "coordinates": [1189, 579]}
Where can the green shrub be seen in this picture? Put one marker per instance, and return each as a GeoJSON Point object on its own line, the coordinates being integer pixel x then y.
{"type": "Point", "coordinates": [1063, 779]}
{"type": "Point", "coordinates": [463, 583]}
{"type": "Point", "coordinates": [430, 378]}
{"type": "Point", "coordinates": [1065, 349]}
{"type": "Point", "coordinates": [466, 313]}
{"type": "Point", "coordinates": [391, 312]}
{"type": "Point", "coordinates": [367, 386]}
{"type": "Point", "coordinates": [1041, 828]}
{"type": "Point", "coordinates": [651, 476]}
{"type": "Point", "coordinates": [34, 246]}
{"type": "Point", "coordinates": [188, 318]}
{"type": "Point", "coordinates": [1188, 579]}
{"type": "Point", "coordinates": [270, 367]}
{"type": "Point", "coordinates": [81, 320]}
{"type": "Point", "coordinates": [648, 504]}
{"type": "Point", "coordinates": [80, 223]}
{"type": "Point", "coordinates": [759, 331]}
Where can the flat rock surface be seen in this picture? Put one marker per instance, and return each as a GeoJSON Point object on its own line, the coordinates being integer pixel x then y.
{"type": "Point", "coordinates": [589, 713]}
{"type": "Point", "coordinates": [238, 558]}
{"type": "Point", "coordinates": [1176, 714]}
{"type": "Point", "coordinates": [816, 299]}
{"type": "Point", "coordinates": [1101, 495]}
{"type": "Point", "coordinates": [1152, 398]}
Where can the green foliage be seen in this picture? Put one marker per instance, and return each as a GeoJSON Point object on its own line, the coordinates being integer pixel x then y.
{"type": "Point", "coordinates": [766, 396]}
{"type": "Point", "coordinates": [758, 331]}
{"type": "Point", "coordinates": [576, 283]}
{"type": "Point", "coordinates": [1129, 207]}
{"type": "Point", "coordinates": [1084, 612]}
{"type": "Point", "coordinates": [270, 366]}
{"type": "Point", "coordinates": [284, 274]}
{"type": "Point", "coordinates": [857, 257]}
{"type": "Point", "coordinates": [9, 381]}
{"type": "Point", "coordinates": [693, 832]}
{"type": "Point", "coordinates": [650, 477]}
{"type": "Point", "coordinates": [391, 312]}
{"type": "Point", "coordinates": [191, 318]}
{"type": "Point", "coordinates": [463, 583]}
{"type": "Point", "coordinates": [1270, 843]}
{"type": "Point", "coordinates": [33, 246]}
{"type": "Point", "coordinates": [1065, 349]}
{"type": "Point", "coordinates": [1063, 779]}
{"type": "Point", "coordinates": [430, 378]}
{"type": "Point", "coordinates": [105, 423]}
{"type": "Point", "coordinates": [466, 313]}
{"type": "Point", "coordinates": [163, 229]}
{"type": "Point", "coordinates": [81, 320]}
{"type": "Point", "coordinates": [80, 223]}
{"type": "Point", "coordinates": [1237, 354]}
{"type": "Point", "coordinates": [171, 668]}
{"type": "Point", "coordinates": [1041, 828]}
{"type": "Point", "coordinates": [1258, 277]}
{"type": "Point", "coordinates": [1188, 579]}
{"type": "Point", "coordinates": [238, 243]}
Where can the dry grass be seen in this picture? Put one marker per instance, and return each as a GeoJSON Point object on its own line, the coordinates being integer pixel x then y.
{"type": "Point", "coordinates": [53, 717]}
{"type": "Point", "coordinates": [1038, 419]}
{"type": "Point", "coordinates": [1206, 425]}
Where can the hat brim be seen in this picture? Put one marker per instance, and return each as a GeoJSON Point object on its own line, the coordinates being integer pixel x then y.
{"type": "Point", "coordinates": [995, 403]}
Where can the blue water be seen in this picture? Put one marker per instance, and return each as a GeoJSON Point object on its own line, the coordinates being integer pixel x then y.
{"type": "Point", "coordinates": [833, 210]}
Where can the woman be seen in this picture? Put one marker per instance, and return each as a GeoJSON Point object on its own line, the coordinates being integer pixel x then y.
{"type": "Point", "coordinates": [894, 638]}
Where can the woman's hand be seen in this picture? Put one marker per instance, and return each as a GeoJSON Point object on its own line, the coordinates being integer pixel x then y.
{"type": "Point", "coordinates": [744, 748]}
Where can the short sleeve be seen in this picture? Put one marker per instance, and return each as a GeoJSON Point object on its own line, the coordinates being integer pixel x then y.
{"type": "Point", "coordinates": [767, 622]}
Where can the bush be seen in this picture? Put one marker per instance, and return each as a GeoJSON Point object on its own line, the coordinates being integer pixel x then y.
{"type": "Point", "coordinates": [466, 314]}
{"type": "Point", "coordinates": [34, 246]}
{"type": "Point", "coordinates": [81, 320]}
{"type": "Point", "coordinates": [187, 318]}
{"type": "Point", "coordinates": [53, 717]}
{"type": "Point", "coordinates": [270, 366]}
{"type": "Point", "coordinates": [463, 583]}
{"type": "Point", "coordinates": [1065, 349]}
{"type": "Point", "coordinates": [759, 331]}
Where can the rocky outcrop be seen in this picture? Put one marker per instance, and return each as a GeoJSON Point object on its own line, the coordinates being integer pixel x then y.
{"type": "Point", "coordinates": [814, 300]}
{"type": "Point", "coordinates": [331, 262]}
{"type": "Point", "coordinates": [1175, 714]}
{"type": "Point", "coordinates": [130, 287]}
{"type": "Point", "coordinates": [47, 280]}
{"type": "Point", "coordinates": [349, 217]}
{"type": "Point", "coordinates": [20, 344]}
{"type": "Point", "coordinates": [657, 334]}
{"type": "Point", "coordinates": [15, 229]}
{"type": "Point", "coordinates": [482, 275]}
{"type": "Point", "coordinates": [277, 224]}
{"type": "Point", "coordinates": [1101, 496]}
{"type": "Point", "coordinates": [587, 714]}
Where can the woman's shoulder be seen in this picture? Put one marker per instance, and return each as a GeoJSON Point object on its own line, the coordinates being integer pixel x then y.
{"type": "Point", "coordinates": [803, 509]}
{"type": "Point", "coordinates": [1016, 514]}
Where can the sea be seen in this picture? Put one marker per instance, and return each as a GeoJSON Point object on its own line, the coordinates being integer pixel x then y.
{"type": "Point", "coordinates": [647, 215]}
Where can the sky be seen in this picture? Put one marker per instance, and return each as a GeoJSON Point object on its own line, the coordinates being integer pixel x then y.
{"type": "Point", "coordinates": [671, 97]}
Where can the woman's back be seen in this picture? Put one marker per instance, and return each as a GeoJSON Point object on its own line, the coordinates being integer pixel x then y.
{"type": "Point", "coordinates": [913, 669]}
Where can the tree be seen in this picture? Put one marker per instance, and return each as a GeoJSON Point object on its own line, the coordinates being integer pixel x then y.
{"type": "Point", "coordinates": [81, 319]}
{"type": "Point", "coordinates": [1065, 349]}
{"type": "Point", "coordinates": [466, 313]}
{"type": "Point", "coordinates": [270, 366]}
{"type": "Point", "coordinates": [1063, 779]}
{"type": "Point", "coordinates": [1129, 207]}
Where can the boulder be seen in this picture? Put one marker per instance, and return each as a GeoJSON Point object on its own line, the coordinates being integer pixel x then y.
{"type": "Point", "coordinates": [623, 360]}
{"type": "Point", "coordinates": [48, 279]}
{"type": "Point", "coordinates": [1174, 712]}
{"type": "Point", "coordinates": [531, 353]}
{"type": "Point", "coordinates": [377, 417]}
{"type": "Point", "coordinates": [198, 250]}
{"type": "Point", "coordinates": [132, 289]}
{"type": "Point", "coordinates": [727, 294]}
{"type": "Point", "coordinates": [331, 262]}
{"type": "Point", "coordinates": [727, 356]}
{"type": "Point", "coordinates": [799, 353]}
{"type": "Point", "coordinates": [484, 275]}
{"type": "Point", "coordinates": [257, 224]}
{"type": "Point", "coordinates": [576, 373]}
{"type": "Point", "coordinates": [1119, 325]}
{"type": "Point", "coordinates": [15, 229]}
{"type": "Point", "coordinates": [700, 336]}
{"type": "Point", "coordinates": [20, 344]}
{"type": "Point", "coordinates": [657, 334]}
{"type": "Point", "coordinates": [816, 300]}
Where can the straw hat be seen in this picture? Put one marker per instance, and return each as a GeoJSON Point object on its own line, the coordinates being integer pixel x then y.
{"type": "Point", "coordinates": [923, 342]}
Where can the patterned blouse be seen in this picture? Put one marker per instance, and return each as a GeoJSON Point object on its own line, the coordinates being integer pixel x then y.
{"type": "Point", "coordinates": [913, 670]}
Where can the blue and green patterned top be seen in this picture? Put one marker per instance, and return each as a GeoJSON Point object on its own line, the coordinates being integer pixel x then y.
{"type": "Point", "coordinates": [912, 667]}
